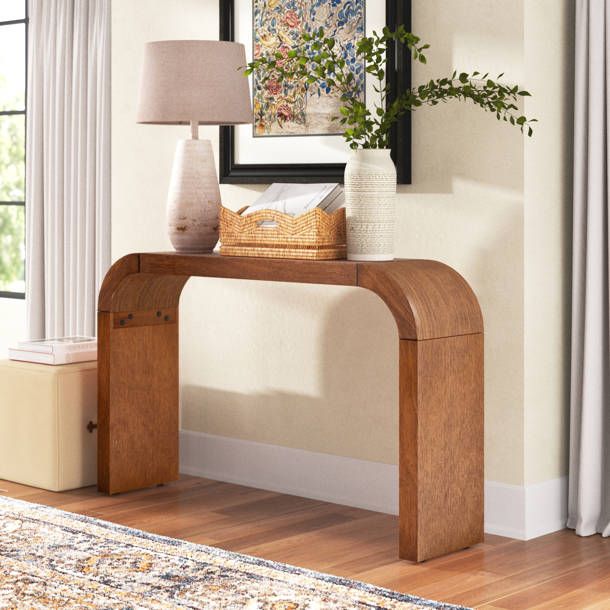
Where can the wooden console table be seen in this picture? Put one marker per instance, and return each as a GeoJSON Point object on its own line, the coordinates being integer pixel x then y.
{"type": "Point", "coordinates": [440, 333]}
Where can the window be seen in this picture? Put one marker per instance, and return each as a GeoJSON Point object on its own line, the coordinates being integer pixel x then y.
{"type": "Point", "coordinates": [13, 66]}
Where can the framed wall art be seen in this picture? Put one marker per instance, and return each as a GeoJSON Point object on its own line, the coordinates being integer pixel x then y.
{"type": "Point", "coordinates": [293, 137]}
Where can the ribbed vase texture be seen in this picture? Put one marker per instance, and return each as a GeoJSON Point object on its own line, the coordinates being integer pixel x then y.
{"type": "Point", "coordinates": [370, 201]}
{"type": "Point", "coordinates": [194, 198]}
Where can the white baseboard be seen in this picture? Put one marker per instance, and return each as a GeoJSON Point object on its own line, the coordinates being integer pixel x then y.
{"type": "Point", "coordinates": [505, 510]}
{"type": "Point", "coordinates": [510, 510]}
{"type": "Point", "coordinates": [526, 512]}
{"type": "Point", "coordinates": [546, 506]}
{"type": "Point", "coordinates": [369, 485]}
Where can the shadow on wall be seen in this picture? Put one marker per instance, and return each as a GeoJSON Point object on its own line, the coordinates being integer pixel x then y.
{"type": "Point", "coordinates": [354, 408]}
{"type": "Point", "coordinates": [332, 387]}
{"type": "Point", "coordinates": [496, 264]}
{"type": "Point", "coordinates": [458, 140]}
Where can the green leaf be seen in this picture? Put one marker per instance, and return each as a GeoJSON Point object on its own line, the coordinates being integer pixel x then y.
{"type": "Point", "coordinates": [315, 61]}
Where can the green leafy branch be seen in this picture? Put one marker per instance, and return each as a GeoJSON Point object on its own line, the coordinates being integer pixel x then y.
{"type": "Point", "coordinates": [320, 59]}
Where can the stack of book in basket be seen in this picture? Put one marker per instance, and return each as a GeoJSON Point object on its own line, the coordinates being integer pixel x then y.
{"type": "Point", "coordinates": [288, 221]}
{"type": "Point", "coordinates": [62, 350]}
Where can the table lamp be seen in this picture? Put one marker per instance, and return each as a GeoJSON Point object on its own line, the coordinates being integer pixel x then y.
{"type": "Point", "coordinates": [194, 82]}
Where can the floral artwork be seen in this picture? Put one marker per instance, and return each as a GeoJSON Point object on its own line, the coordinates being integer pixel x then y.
{"type": "Point", "coordinates": [294, 107]}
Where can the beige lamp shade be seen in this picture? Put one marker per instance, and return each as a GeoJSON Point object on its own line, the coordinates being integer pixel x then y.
{"type": "Point", "coordinates": [194, 80]}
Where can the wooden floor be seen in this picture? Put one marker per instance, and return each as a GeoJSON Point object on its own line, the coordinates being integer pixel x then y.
{"type": "Point", "coordinates": [557, 571]}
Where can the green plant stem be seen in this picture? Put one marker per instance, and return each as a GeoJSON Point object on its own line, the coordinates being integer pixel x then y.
{"type": "Point", "coordinates": [320, 59]}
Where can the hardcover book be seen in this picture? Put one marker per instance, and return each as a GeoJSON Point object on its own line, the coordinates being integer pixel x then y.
{"type": "Point", "coordinates": [60, 350]}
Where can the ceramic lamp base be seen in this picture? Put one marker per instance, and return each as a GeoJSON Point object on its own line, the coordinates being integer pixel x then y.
{"type": "Point", "coordinates": [194, 198]}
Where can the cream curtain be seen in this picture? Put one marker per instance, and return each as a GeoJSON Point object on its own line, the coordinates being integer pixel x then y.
{"type": "Point", "coordinates": [589, 496]}
{"type": "Point", "coordinates": [68, 164]}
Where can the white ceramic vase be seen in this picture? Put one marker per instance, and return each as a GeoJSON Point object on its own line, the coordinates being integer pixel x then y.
{"type": "Point", "coordinates": [370, 194]}
{"type": "Point", "coordinates": [194, 198]}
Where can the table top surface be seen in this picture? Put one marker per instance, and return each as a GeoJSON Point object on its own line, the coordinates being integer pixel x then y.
{"type": "Point", "coordinates": [427, 298]}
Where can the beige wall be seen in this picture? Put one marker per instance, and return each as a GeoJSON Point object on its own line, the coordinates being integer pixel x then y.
{"type": "Point", "coordinates": [548, 44]}
{"type": "Point", "coordinates": [315, 368]}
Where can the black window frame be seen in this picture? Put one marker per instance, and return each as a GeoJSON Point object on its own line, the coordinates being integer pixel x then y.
{"type": "Point", "coordinates": [7, 294]}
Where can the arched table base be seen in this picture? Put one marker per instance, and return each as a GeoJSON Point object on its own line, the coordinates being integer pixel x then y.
{"type": "Point", "coordinates": [441, 380]}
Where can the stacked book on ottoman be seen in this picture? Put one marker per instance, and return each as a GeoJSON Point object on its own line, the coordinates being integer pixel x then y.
{"type": "Point", "coordinates": [63, 350]}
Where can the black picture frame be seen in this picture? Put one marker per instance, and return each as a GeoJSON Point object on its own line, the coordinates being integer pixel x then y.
{"type": "Point", "coordinates": [398, 72]}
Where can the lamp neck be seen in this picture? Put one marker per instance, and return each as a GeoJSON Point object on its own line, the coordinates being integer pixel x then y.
{"type": "Point", "coordinates": [195, 130]}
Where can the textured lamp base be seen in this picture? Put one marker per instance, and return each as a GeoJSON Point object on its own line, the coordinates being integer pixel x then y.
{"type": "Point", "coordinates": [194, 198]}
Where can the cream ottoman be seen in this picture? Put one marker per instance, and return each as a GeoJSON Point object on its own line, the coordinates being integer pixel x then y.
{"type": "Point", "coordinates": [44, 412]}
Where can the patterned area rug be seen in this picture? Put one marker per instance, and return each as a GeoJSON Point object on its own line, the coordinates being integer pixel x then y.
{"type": "Point", "coordinates": [53, 559]}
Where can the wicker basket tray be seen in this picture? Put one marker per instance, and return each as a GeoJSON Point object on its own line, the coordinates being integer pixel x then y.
{"type": "Point", "coordinates": [314, 235]}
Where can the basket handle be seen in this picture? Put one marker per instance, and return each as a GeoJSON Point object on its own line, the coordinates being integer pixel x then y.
{"type": "Point", "coordinates": [270, 215]}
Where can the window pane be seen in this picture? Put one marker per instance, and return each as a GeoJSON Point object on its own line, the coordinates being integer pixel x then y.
{"type": "Point", "coordinates": [12, 9]}
{"type": "Point", "coordinates": [12, 246]}
{"type": "Point", "coordinates": [12, 66]}
{"type": "Point", "coordinates": [12, 157]}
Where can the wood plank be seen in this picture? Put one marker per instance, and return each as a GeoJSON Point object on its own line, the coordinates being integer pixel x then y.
{"type": "Point", "coordinates": [128, 319]}
{"type": "Point", "coordinates": [560, 570]}
{"type": "Point", "coordinates": [138, 411]}
{"type": "Point", "coordinates": [104, 326]}
{"type": "Point", "coordinates": [441, 445]}
{"type": "Point", "coordinates": [575, 584]}
{"type": "Point", "coordinates": [341, 273]}
{"type": "Point", "coordinates": [427, 298]}
{"type": "Point", "coordinates": [145, 291]}
{"type": "Point", "coordinates": [127, 265]}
